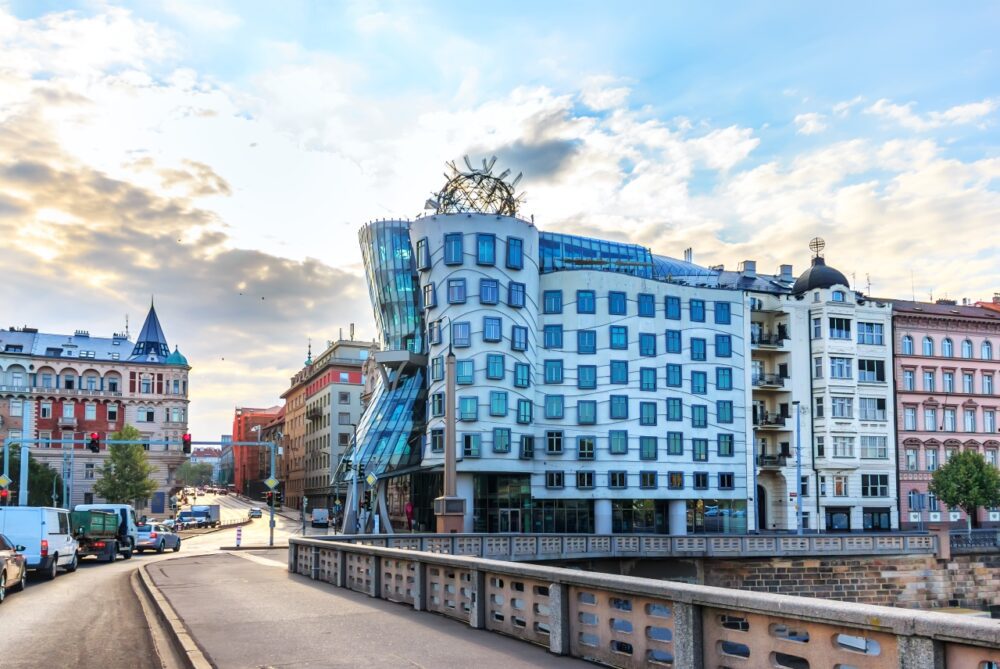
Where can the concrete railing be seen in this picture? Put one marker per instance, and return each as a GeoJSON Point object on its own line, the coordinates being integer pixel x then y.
{"type": "Point", "coordinates": [624, 621]}
{"type": "Point", "coordinates": [539, 547]}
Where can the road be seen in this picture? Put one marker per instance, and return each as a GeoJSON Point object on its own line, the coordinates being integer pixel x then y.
{"type": "Point", "coordinates": [92, 618]}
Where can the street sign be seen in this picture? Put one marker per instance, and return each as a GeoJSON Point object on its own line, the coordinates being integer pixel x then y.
{"type": "Point", "coordinates": [371, 479]}
{"type": "Point", "coordinates": [4, 480]}
{"type": "Point", "coordinates": [271, 482]}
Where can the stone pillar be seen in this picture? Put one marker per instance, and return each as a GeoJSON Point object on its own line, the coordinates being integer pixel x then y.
{"type": "Point", "coordinates": [465, 489]}
{"type": "Point", "coordinates": [602, 516]}
{"type": "Point", "coordinates": [677, 516]}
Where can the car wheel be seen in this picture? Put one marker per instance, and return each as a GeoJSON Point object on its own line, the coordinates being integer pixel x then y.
{"type": "Point", "coordinates": [23, 583]}
{"type": "Point", "coordinates": [53, 569]}
{"type": "Point", "coordinates": [159, 549]}
{"type": "Point", "coordinates": [178, 546]}
{"type": "Point", "coordinates": [113, 553]}
{"type": "Point", "coordinates": [128, 552]}
{"type": "Point", "coordinates": [3, 586]}
{"type": "Point", "coordinates": [71, 567]}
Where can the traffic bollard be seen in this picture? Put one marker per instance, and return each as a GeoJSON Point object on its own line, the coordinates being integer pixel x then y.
{"type": "Point", "coordinates": [239, 536]}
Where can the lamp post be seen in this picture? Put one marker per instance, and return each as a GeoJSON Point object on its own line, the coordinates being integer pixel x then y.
{"type": "Point", "coordinates": [273, 449]}
{"type": "Point", "coordinates": [798, 467]}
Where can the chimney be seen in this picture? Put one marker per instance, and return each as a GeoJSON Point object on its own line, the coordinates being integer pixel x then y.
{"type": "Point", "coordinates": [786, 273]}
{"type": "Point", "coordinates": [749, 269]}
{"type": "Point", "coordinates": [996, 298]}
{"type": "Point", "coordinates": [689, 254]}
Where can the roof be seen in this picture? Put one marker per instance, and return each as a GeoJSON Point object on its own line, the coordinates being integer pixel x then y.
{"type": "Point", "coordinates": [151, 344]}
{"type": "Point", "coordinates": [176, 358]}
{"type": "Point", "coordinates": [950, 310]}
{"type": "Point", "coordinates": [79, 346]}
{"type": "Point", "coordinates": [820, 275]}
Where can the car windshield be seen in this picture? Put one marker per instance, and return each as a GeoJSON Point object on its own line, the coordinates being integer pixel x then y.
{"type": "Point", "coordinates": [145, 528]}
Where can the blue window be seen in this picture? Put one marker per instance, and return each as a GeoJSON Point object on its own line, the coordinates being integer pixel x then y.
{"type": "Point", "coordinates": [524, 411]}
{"type": "Point", "coordinates": [492, 329]}
{"type": "Point", "coordinates": [617, 303]}
{"type": "Point", "coordinates": [515, 253]}
{"type": "Point", "coordinates": [519, 338]}
{"type": "Point", "coordinates": [699, 415]}
{"type": "Point", "coordinates": [585, 447]}
{"type": "Point", "coordinates": [522, 375]}
{"type": "Point", "coordinates": [699, 450]}
{"type": "Point", "coordinates": [647, 305]}
{"type": "Point", "coordinates": [722, 313]}
{"type": "Point", "coordinates": [619, 371]}
{"type": "Point", "coordinates": [673, 376]}
{"type": "Point", "coordinates": [673, 307]}
{"type": "Point", "coordinates": [618, 442]}
{"type": "Point", "coordinates": [647, 344]}
{"type": "Point", "coordinates": [647, 413]}
{"type": "Point", "coordinates": [468, 408]}
{"type": "Point", "coordinates": [461, 334]}
{"type": "Point", "coordinates": [673, 341]}
{"type": "Point", "coordinates": [465, 372]}
{"type": "Point", "coordinates": [619, 337]}
{"type": "Point", "coordinates": [515, 294]}
{"type": "Point", "coordinates": [726, 445]}
{"type": "Point", "coordinates": [437, 404]}
{"type": "Point", "coordinates": [585, 302]}
{"type": "Point", "coordinates": [553, 406]}
{"type": "Point", "coordinates": [699, 383]}
{"type": "Point", "coordinates": [498, 403]}
{"type": "Point", "coordinates": [726, 478]}
{"type": "Point", "coordinates": [456, 291]}
{"type": "Point", "coordinates": [453, 248]}
{"type": "Point", "coordinates": [486, 249]}
{"type": "Point", "coordinates": [489, 291]}
{"type": "Point", "coordinates": [434, 332]}
{"type": "Point", "coordinates": [437, 368]}
{"type": "Point", "coordinates": [647, 448]}
{"type": "Point", "coordinates": [494, 366]}
{"type": "Point", "coordinates": [437, 440]}
{"type": "Point", "coordinates": [698, 311]}
{"type": "Point", "coordinates": [552, 302]}
{"type": "Point", "coordinates": [723, 378]}
{"type": "Point", "coordinates": [675, 443]}
{"type": "Point", "coordinates": [619, 407]}
{"type": "Point", "coordinates": [724, 411]}
{"type": "Point", "coordinates": [423, 255]}
{"type": "Point", "coordinates": [586, 341]}
{"type": "Point", "coordinates": [647, 378]}
{"type": "Point", "coordinates": [586, 412]}
{"type": "Point", "coordinates": [553, 371]}
{"type": "Point", "coordinates": [723, 346]}
{"type": "Point", "coordinates": [699, 349]}
{"type": "Point", "coordinates": [586, 377]}
{"type": "Point", "coordinates": [430, 296]}
{"type": "Point", "coordinates": [674, 408]}
{"type": "Point", "coordinates": [501, 440]}
{"type": "Point", "coordinates": [553, 336]}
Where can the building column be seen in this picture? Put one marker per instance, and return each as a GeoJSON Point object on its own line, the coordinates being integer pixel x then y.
{"type": "Point", "coordinates": [677, 516]}
{"type": "Point", "coordinates": [465, 488]}
{"type": "Point", "coordinates": [602, 516]}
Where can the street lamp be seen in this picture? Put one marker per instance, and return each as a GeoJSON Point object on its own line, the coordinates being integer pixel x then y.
{"type": "Point", "coordinates": [798, 467]}
{"type": "Point", "coordinates": [273, 448]}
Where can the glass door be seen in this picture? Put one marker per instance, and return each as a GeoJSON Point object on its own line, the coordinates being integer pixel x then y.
{"type": "Point", "coordinates": [510, 520]}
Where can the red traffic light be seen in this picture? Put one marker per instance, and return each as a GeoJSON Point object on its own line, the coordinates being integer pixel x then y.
{"type": "Point", "coordinates": [93, 435]}
{"type": "Point", "coordinates": [94, 445]}
{"type": "Point", "coordinates": [186, 443]}
{"type": "Point", "coordinates": [4, 496]}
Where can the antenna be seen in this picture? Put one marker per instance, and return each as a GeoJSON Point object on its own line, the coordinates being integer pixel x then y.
{"type": "Point", "coordinates": [352, 331]}
{"type": "Point", "coordinates": [126, 327]}
{"type": "Point", "coordinates": [868, 282]}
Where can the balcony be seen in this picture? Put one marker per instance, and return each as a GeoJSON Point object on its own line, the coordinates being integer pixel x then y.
{"type": "Point", "coordinates": [768, 381]}
{"type": "Point", "coordinates": [767, 341]}
{"type": "Point", "coordinates": [73, 392]}
{"type": "Point", "coordinates": [314, 413]}
{"type": "Point", "coordinates": [774, 421]}
{"type": "Point", "coordinates": [771, 461]}
{"type": "Point", "coordinates": [69, 422]}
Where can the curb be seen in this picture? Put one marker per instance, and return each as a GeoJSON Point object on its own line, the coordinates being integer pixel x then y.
{"type": "Point", "coordinates": [213, 530]}
{"type": "Point", "coordinates": [251, 548]}
{"type": "Point", "coordinates": [191, 656]}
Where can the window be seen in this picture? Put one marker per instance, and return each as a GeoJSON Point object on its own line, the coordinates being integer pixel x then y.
{"type": "Point", "coordinates": [907, 345]}
{"type": "Point", "coordinates": [818, 367]}
{"type": "Point", "coordinates": [45, 410]}
{"type": "Point", "coordinates": [949, 382]}
{"type": "Point", "coordinates": [911, 460]}
{"type": "Point", "coordinates": [585, 448]}
{"type": "Point", "coordinates": [966, 349]}
{"type": "Point", "coordinates": [699, 383]}
{"type": "Point", "coordinates": [928, 346]}
{"type": "Point", "coordinates": [647, 378]}
{"type": "Point", "coordinates": [675, 480]}
{"type": "Point", "coordinates": [874, 485]}
{"type": "Point", "coordinates": [461, 334]}
{"type": "Point", "coordinates": [585, 480]}
{"type": "Point", "coordinates": [501, 440]}
{"type": "Point", "coordinates": [931, 458]}
{"type": "Point", "coordinates": [423, 256]}
{"type": "Point", "coordinates": [468, 408]}
{"type": "Point", "coordinates": [554, 442]}
{"type": "Point", "coordinates": [524, 411]}
{"type": "Point", "coordinates": [456, 291]}
{"type": "Point", "coordinates": [840, 488]}
{"type": "Point", "coordinates": [840, 368]}
{"type": "Point", "coordinates": [647, 345]}
{"type": "Point", "coordinates": [434, 332]}
{"type": "Point", "coordinates": [673, 341]}
{"type": "Point", "coordinates": [647, 480]}
{"type": "Point", "coordinates": [586, 412]}
{"type": "Point", "coordinates": [843, 447]}
{"type": "Point", "coordinates": [722, 313]}
{"type": "Point", "coordinates": [909, 380]}
{"type": "Point", "coordinates": [987, 384]}
{"type": "Point", "coordinates": [489, 291]}
{"type": "Point", "coordinates": [647, 448]}
{"type": "Point", "coordinates": [552, 302]}
{"type": "Point", "coordinates": [90, 412]}
{"type": "Point", "coordinates": [527, 447]}
{"type": "Point", "coordinates": [465, 372]}
{"type": "Point", "coordinates": [585, 302]}
{"type": "Point", "coordinates": [723, 346]}
{"type": "Point", "coordinates": [698, 311]}
{"type": "Point", "coordinates": [724, 411]}
{"type": "Point", "coordinates": [701, 480]}
{"type": "Point", "coordinates": [699, 450]}
{"type": "Point", "coordinates": [647, 413]}
{"type": "Point", "coordinates": [840, 328]}
{"type": "Point", "coordinates": [553, 371]}
{"type": "Point", "coordinates": [874, 448]}
{"type": "Point", "coordinates": [553, 336]}
{"type": "Point", "coordinates": [112, 412]}
{"type": "Point", "coordinates": [986, 350]}
{"type": "Point", "coordinates": [495, 366]}
{"type": "Point", "coordinates": [909, 418]}
{"type": "Point", "coordinates": [843, 407]}
{"type": "Point", "coordinates": [871, 408]}
{"type": "Point", "coordinates": [817, 328]}
{"type": "Point", "coordinates": [453, 248]}
{"type": "Point", "coordinates": [617, 303]}
{"type": "Point", "coordinates": [618, 442]}
{"type": "Point", "coordinates": [674, 376]}
{"type": "Point", "coordinates": [647, 305]}
{"type": "Point", "coordinates": [619, 337]}
{"type": "Point", "coordinates": [989, 421]}
{"type": "Point", "coordinates": [515, 253]}
{"type": "Point", "coordinates": [619, 372]}
{"type": "Point", "coordinates": [554, 407]}
{"type": "Point", "coordinates": [522, 375]}
{"type": "Point", "coordinates": [515, 294]}
{"type": "Point", "coordinates": [519, 338]}
{"type": "Point", "coordinates": [699, 415]}
{"type": "Point", "coordinates": [618, 407]}
{"type": "Point", "coordinates": [437, 440]}
{"type": "Point", "coordinates": [617, 480]}
{"type": "Point", "coordinates": [818, 407]}
{"type": "Point", "coordinates": [586, 341]}
{"type": "Point", "coordinates": [675, 443]}
{"type": "Point", "coordinates": [674, 408]}
{"type": "Point", "coordinates": [726, 445]}
{"type": "Point", "coordinates": [870, 333]}
{"type": "Point", "coordinates": [871, 371]}
{"type": "Point", "coordinates": [698, 349]}
{"type": "Point", "coordinates": [970, 420]}
{"type": "Point", "coordinates": [839, 296]}
{"type": "Point", "coordinates": [471, 445]}
{"type": "Point", "coordinates": [672, 306]}
{"type": "Point", "coordinates": [492, 329]}
{"type": "Point", "coordinates": [553, 479]}
{"type": "Point", "coordinates": [430, 299]}
{"type": "Point", "coordinates": [486, 249]}
{"type": "Point", "coordinates": [947, 348]}
{"type": "Point", "coordinates": [723, 378]}
{"type": "Point", "coordinates": [929, 381]}
{"type": "Point", "coordinates": [437, 404]}
{"type": "Point", "coordinates": [949, 420]}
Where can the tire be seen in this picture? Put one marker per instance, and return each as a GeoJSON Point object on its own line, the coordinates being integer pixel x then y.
{"type": "Point", "coordinates": [159, 549]}
{"type": "Point", "coordinates": [71, 567]}
{"type": "Point", "coordinates": [3, 586]}
{"type": "Point", "coordinates": [112, 554]}
{"type": "Point", "coordinates": [178, 546]}
{"type": "Point", "coordinates": [128, 553]}
{"type": "Point", "coordinates": [52, 570]}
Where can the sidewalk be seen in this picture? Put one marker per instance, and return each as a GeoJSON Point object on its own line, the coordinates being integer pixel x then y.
{"type": "Point", "coordinates": [249, 611]}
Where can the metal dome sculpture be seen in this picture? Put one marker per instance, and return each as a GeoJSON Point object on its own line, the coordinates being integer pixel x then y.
{"type": "Point", "coordinates": [477, 191]}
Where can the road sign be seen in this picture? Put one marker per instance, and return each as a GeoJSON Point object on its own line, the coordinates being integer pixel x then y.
{"type": "Point", "coordinates": [371, 479]}
{"type": "Point", "coordinates": [4, 480]}
{"type": "Point", "coordinates": [271, 482]}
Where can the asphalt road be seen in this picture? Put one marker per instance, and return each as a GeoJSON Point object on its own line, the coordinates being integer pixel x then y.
{"type": "Point", "coordinates": [91, 618]}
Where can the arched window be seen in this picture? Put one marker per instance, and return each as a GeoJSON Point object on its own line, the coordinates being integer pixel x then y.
{"type": "Point", "coordinates": [907, 345]}
{"type": "Point", "coordinates": [947, 348]}
{"type": "Point", "coordinates": [928, 346]}
{"type": "Point", "coordinates": [986, 351]}
{"type": "Point", "coordinates": [966, 349]}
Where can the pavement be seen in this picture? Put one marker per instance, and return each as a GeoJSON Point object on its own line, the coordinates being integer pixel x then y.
{"type": "Point", "coordinates": [246, 610]}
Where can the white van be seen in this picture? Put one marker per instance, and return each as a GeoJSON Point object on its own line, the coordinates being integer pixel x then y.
{"type": "Point", "coordinates": [128, 526]}
{"type": "Point", "coordinates": [46, 534]}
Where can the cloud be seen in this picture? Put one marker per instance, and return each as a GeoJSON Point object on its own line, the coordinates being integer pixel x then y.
{"type": "Point", "coordinates": [198, 16]}
{"type": "Point", "coordinates": [907, 118]}
{"type": "Point", "coordinates": [842, 109]}
{"type": "Point", "coordinates": [601, 93]}
{"type": "Point", "coordinates": [810, 124]}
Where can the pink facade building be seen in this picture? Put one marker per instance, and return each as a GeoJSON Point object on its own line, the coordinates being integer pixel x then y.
{"type": "Point", "coordinates": [947, 365]}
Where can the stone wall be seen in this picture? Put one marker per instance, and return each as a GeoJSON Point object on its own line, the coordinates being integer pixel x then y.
{"type": "Point", "coordinates": [923, 582]}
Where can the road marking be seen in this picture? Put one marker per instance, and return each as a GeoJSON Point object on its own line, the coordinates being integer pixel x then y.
{"type": "Point", "coordinates": [267, 562]}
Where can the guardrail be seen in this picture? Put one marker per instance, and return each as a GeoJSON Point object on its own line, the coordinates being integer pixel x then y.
{"type": "Point", "coordinates": [962, 540]}
{"type": "Point", "coordinates": [539, 547]}
{"type": "Point", "coordinates": [623, 621]}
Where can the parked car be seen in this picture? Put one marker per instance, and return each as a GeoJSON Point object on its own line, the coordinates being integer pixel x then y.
{"type": "Point", "coordinates": [157, 538]}
{"type": "Point", "coordinates": [47, 535]}
{"type": "Point", "coordinates": [256, 512]}
{"type": "Point", "coordinates": [13, 567]}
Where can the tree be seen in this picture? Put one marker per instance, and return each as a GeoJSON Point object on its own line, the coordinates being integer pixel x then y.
{"type": "Point", "coordinates": [125, 475]}
{"type": "Point", "coordinates": [40, 480]}
{"type": "Point", "coordinates": [194, 474]}
{"type": "Point", "coordinates": [968, 482]}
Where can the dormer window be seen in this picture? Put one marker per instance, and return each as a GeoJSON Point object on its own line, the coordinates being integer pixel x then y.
{"type": "Point", "coordinates": [839, 296]}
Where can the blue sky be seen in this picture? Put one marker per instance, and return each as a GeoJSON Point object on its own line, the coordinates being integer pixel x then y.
{"type": "Point", "coordinates": [247, 141]}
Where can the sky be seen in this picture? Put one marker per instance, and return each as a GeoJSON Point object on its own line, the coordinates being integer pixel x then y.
{"type": "Point", "coordinates": [221, 155]}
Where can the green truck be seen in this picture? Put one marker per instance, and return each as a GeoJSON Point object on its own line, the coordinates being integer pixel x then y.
{"type": "Point", "coordinates": [97, 533]}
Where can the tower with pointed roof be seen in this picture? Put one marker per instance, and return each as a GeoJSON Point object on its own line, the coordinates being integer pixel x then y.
{"type": "Point", "coordinates": [151, 345]}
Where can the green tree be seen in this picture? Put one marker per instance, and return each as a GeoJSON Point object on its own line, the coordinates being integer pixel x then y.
{"type": "Point", "coordinates": [125, 475]}
{"type": "Point", "coordinates": [194, 474]}
{"type": "Point", "coordinates": [40, 480]}
{"type": "Point", "coordinates": [968, 482]}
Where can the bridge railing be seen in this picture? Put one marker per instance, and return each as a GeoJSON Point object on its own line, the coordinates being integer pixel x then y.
{"type": "Point", "coordinates": [624, 621]}
{"type": "Point", "coordinates": [975, 541]}
{"type": "Point", "coordinates": [538, 547]}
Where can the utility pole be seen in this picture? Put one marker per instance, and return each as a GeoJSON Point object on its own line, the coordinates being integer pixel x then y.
{"type": "Point", "coordinates": [798, 466]}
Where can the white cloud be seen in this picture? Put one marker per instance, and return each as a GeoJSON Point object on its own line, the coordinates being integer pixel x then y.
{"type": "Point", "coordinates": [810, 124]}
{"type": "Point", "coordinates": [601, 93]}
{"type": "Point", "coordinates": [199, 15]}
{"type": "Point", "coordinates": [905, 116]}
{"type": "Point", "coordinates": [842, 109]}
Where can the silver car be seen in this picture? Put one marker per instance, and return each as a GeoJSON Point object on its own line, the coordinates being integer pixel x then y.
{"type": "Point", "coordinates": [157, 538]}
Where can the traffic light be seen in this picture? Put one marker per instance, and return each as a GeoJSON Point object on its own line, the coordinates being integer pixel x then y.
{"type": "Point", "coordinates": [4, 496]}
{"type": "Point", "coordinates": [269, 496]}
{"type": "Point", "coordinates": [94, 445]}
{"type": "Point", "coordinates": [186, 443]}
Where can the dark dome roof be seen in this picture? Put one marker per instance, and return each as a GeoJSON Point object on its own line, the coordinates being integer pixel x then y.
{"type": "Point", "coordinates": [819, 276]}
